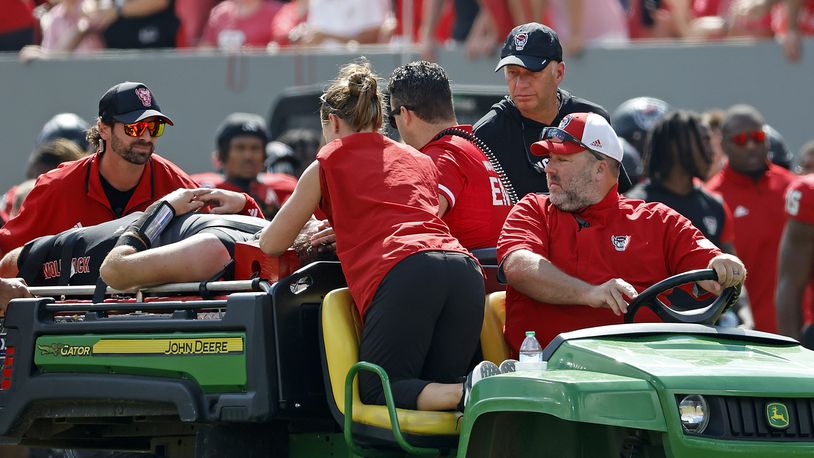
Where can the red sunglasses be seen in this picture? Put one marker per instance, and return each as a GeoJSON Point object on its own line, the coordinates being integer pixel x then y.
{"type": "Point", "coordinates": [757, 136]}
{"type": "Point", "coordinates": [136, 129]}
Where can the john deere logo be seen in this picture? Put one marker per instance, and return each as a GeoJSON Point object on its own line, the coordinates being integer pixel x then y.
{"type": "Point", "coordinates": [778, 415]}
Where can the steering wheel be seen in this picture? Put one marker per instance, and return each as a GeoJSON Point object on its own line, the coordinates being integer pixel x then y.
{"type": "Point", "coordinates": [703, 315]}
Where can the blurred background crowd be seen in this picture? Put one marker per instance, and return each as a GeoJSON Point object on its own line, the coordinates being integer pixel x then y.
{"type": "Point", "coordinates": [37, 28]}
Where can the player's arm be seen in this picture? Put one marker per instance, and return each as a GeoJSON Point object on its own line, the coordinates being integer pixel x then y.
{"type": "Point", "coordinates": [443, 205]}
{"type": "Point", "coordinates": [295, 213]}
{"type": "Point", "coordinates": [537, 278]}
{"type": "Point", "coordinates": [196, 258]}
{"type": "Point", "coordinates": [8, 265]}
{"type": "Point", "coordinates": [11, 288]}
{"type": "Point", "coordinates": [794, 272]}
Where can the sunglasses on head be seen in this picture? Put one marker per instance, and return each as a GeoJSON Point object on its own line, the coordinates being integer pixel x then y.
{"type": "Point", "coordinates": [557, 135]}
{"type": "Point", "coordinates": [136, 129]}
{"type": "Point", "coordinates": [757, 136]}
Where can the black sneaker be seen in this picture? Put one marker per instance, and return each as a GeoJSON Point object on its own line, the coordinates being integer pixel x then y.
{"type": "Point", "coordinates": [482, 370]}
{"type": "Point", "coordinates": [508, 366]}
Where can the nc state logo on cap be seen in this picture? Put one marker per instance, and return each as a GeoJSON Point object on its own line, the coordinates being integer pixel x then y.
{"type": "Point", "coordinates": [520, 40]}
{"type": "Point", "coordinates": [144, 95]}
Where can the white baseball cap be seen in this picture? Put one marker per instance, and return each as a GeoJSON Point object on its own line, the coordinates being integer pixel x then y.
{"type": "Point", "coordinates": [578, 132]}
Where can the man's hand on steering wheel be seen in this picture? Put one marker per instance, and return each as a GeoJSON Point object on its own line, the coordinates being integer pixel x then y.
{"type": "Point", "coordinates": [730, 271]}
{"type": "Point", "coordinates": [613, 294]}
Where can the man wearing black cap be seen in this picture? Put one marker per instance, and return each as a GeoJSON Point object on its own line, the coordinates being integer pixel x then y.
{"type": "Point", "coordinates": [240, 143]}
{"type": "Point", "coordinates": [531, 60]}
{"type": "Point", "coordinates": [122, 177]}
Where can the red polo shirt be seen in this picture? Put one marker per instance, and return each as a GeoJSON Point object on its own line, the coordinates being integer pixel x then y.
{"type": "Point", "coordinates": [72, 194]}
{"type": "Point", "coordinates": [757, 208]}
{"type": "Point", "coordinates": [641, 243]}
{"type": "Point", "coordinates": [478, 205]}
{"type": "Point", "coordinates": [381, 198]}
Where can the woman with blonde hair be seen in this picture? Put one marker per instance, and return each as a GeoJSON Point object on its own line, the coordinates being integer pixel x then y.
{"type": "Point", "coordinates": [418, 291]}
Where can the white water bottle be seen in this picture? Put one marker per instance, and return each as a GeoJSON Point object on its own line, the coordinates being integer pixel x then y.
{"type": "Point", "coordinates": [531, 354]}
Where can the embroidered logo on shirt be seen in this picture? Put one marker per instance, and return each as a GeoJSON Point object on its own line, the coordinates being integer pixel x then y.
{"type": "Point", "coordinates": [620, 242]}
{"type": "Point", "coordinates": [711, 224]}
{"type": "Point", "coordinates": [596, 143]}
{"type": "Point", "coordinates": [144, 95]}
{"type": "Point", "coordinates": [740, 211]}
{"type": "Point", "coordinates": [520, 41]}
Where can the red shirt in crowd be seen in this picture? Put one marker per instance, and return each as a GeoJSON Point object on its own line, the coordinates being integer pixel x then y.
{"type": "Point", "coordinates": [289, 16]}
{"type": "Point", "coordinates": [443, 29]}
{"type": "Point", "coordinates": [478, 204]}
{"type": "Point", "coordinates": [641, 243]}
{"type": "Point", "coordinates": [757, 208]}
{"type": "Point", "coordinates": [805, 20]}
{"type": "Point", "coordinates": [72, 194]}
{"type": "Point", "coordinates": [800, 207]}
{"type": "Point", "coordinates": [381, 198]}
{"type": "Point", "coordinates": [270, 190]}
{"type": "Point", "coordinates": [16, 15]}
{"type": "Point", "coordinates": [226, 27]}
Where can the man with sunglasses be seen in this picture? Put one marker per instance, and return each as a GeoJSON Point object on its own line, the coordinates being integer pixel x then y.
{"type": "Point", "coordinates": [574, 258]}
{"type": "Point", "coordinates": [472, 199]}
{"type": "Point", "coordinates": [123, 175]}
{"type": "Point", "coordinates": [532, 64]}
{"type": "Point", "coordinates": [754, 190]}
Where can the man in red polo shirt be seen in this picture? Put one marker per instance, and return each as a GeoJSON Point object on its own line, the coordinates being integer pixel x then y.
{"type": "Point", "coordinates": [574, 258]}
{"type": "Point", "coordinates": [472, 199]}
{"type": "Point", "coordinates": [795, 270]}
{"type": "Point", "coordinates": [754, 190]}
{"type": "Point", "coordinates": [123, 176]}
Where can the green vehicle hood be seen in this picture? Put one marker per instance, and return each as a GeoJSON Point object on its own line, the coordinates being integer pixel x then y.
{"type": "Point", "coordinates": [689, 361]}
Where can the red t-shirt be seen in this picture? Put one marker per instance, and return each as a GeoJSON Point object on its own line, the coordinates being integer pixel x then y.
{"type": "Point", "coordinates": [641, 243]}
{"type": "Point", "coordinates": [478, 204]}
{"type": "Point", "coordinates": [381, 198]}
{"type": "Point", "coordinates": [800, 207]}
{"type": "Point", "coordinates": [757, 208]}
{"type": "Point", "coordinates": [252, 31]}
{"type": "Point", "coordinates": [270, 190]}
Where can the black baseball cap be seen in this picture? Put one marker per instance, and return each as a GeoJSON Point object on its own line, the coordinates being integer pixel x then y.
{"type": "Point", "coordinates": [129, 102]}
{"type": "Point", "coordinates": [530, 46]}
{"type": "Point", "coordinates": [239, 124]}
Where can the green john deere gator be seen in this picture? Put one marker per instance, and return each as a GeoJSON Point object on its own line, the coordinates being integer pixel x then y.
{"type": "Point", "coordinates": [270, 370]}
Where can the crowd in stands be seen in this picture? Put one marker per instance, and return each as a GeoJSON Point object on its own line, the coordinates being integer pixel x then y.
{"type": "Point", "coordinates": [40, 27]}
